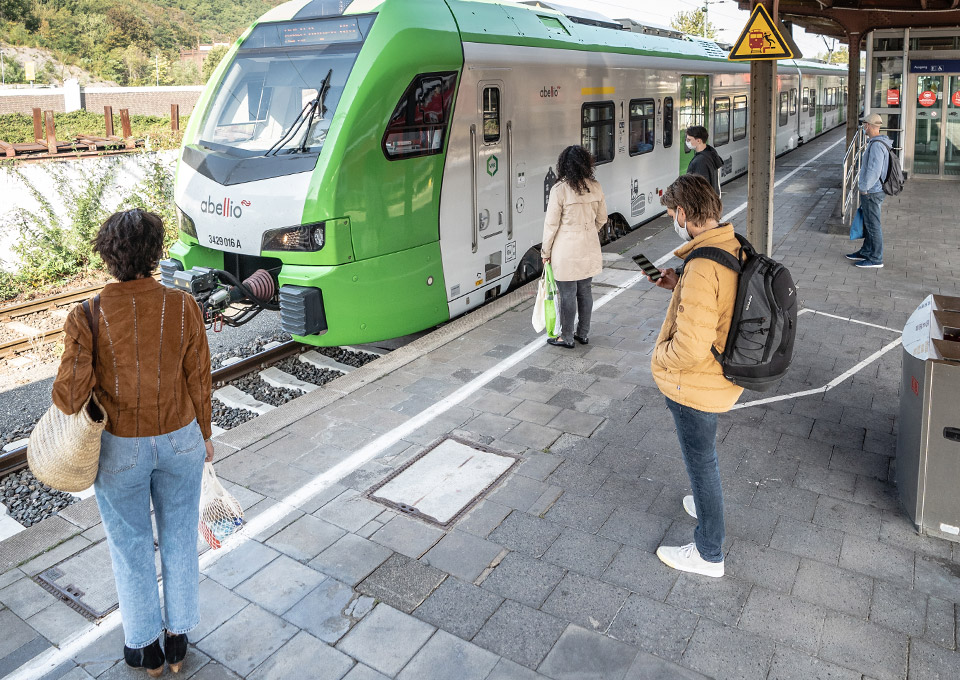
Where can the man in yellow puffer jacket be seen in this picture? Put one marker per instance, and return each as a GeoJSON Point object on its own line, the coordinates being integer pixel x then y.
{"type": "Point", "coordinates": [684, 368]}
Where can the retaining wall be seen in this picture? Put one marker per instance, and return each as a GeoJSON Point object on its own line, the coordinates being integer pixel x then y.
{"type": "Point", "coordinates": [153, 101]}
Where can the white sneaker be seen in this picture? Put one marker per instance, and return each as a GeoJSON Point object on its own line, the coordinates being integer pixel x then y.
{"type": "Point", "coordinates": [689, 506]}
{"type": "Point", "coordinates": [687, 558]}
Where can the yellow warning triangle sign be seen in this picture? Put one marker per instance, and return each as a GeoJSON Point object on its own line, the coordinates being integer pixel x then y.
{"type": "Point", "coordinates": [761, 39]}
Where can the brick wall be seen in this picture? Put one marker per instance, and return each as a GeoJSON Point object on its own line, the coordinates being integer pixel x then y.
{"type": "Point", "coordinates": [154, 101]}
{"type": "Point", "coordinates": [24, 101]}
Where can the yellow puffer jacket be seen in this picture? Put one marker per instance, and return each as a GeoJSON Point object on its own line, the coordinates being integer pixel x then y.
{"type": "Point", "coordinates": [699, 317]}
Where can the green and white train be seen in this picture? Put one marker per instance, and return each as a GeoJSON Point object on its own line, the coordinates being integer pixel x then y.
{"type": "Point", "coordinates": [387, 162]}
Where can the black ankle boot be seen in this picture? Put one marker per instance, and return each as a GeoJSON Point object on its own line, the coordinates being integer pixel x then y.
{"type": "Point", "coordinates": [175, 648]}
{"type": "Point", "coordinates": [150, 657]}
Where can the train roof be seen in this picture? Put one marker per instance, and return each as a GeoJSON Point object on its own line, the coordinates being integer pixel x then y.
{"type": "Point", "coordinates": [540, 23]}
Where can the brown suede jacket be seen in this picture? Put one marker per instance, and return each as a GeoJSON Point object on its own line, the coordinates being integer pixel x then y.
{"type": "Point", "coordinates": [153, 362]}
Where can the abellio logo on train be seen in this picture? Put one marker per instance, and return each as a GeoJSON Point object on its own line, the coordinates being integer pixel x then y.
{"type": "Point", "coordinates": [225, 208]}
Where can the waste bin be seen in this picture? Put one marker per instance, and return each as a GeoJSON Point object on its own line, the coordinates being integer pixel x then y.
{"type": "Point", "coordinates": [928, 441]}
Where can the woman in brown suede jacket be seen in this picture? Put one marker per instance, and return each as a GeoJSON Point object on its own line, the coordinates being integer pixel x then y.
{"type": "Point", "coordinates": [152, 378]}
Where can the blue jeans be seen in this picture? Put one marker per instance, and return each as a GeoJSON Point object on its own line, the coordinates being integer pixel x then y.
{"type": "Point", "coordinates": [576, 302]}
{"type": "Point", "coordinates": [872, 248]}
{"type": "Point", "coordinates": [697, 432]}
{"type": "Point", "coordinates": [133, 471]}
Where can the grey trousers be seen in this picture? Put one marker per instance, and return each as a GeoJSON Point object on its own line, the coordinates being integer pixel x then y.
{"type": "Point", "coordinates": [576, 300]}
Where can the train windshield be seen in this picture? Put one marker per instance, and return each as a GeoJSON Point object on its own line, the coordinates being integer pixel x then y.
{"type": "Point", "coordinates": [266, 103]}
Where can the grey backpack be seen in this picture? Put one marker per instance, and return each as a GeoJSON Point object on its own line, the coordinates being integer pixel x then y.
{"type": "Point", "coordinates": [893, 183]}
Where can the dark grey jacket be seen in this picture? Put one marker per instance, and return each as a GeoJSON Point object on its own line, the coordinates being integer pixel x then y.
{"type": "Point", "coordinates": [706, 163]}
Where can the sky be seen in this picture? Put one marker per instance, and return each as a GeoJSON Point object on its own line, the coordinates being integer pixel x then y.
{"type": "Point", "coordinates": [724, 15]}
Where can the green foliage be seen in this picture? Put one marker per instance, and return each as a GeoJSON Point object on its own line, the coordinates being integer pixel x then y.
{"type": "Point", "coordinates": [694, 22]}
{"type": "Point", "coordinates": [213, 60]}
{"type": "Point", "coordinates": [155, 194]}
{"type": "Point", "coordinates": [12, 70]}
{"type": "Point", "coordinates": [17, 128]}
{"type": "Point", "coordinates": [838, 56]}
{"type": "Point", "coordinates": [52, 246]}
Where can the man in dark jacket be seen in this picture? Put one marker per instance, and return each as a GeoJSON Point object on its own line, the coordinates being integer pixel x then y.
{"type": "Point", "coordinates": [707, 161]}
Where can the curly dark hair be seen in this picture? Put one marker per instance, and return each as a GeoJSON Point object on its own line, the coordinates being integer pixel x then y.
{"type": "Point", "coordinates": [575, 167]}
{"type": "Point", "coordinates": [130, 243]}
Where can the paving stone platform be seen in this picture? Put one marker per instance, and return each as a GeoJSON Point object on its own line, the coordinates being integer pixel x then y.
{"type": "Point", "coordinates": [553, 574]}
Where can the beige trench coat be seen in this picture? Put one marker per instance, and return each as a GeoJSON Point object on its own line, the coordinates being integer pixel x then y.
{"type": "Point", "coordinates": [570, 231]}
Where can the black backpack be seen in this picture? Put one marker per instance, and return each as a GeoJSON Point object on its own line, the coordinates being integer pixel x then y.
{"type": "Point", "coordinates": [764, 325]}
{"type": "Point", "coordinates": [893, 183]}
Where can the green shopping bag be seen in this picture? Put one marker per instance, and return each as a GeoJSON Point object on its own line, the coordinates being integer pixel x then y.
{"type": "Point", "coordinates": [551, 305]}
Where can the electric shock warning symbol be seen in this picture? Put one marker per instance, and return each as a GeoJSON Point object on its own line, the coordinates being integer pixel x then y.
{"type": "Point", "coordinates": [762, 39]}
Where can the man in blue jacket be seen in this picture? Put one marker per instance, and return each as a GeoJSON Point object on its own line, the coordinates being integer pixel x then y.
{"type": "Point", "coordinates": [873, 170]}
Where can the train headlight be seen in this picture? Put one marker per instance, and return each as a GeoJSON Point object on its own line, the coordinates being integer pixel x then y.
{"type": "Point", "coordinates": [185, 224]}
{"type": "Point", "coordinates": [306, 237]}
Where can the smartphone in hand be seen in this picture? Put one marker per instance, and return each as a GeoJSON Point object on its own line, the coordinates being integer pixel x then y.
{"type": "Point", "coordinates": [647, 266]}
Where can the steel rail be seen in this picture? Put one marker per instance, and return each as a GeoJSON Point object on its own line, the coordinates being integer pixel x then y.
{"type": "Point", "coordinates": [48, 303]}
{"type": "Point", "coordinates": [16, 459]}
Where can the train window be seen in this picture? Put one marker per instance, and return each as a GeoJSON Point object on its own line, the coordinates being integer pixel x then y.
{"type": "Point", "coordinates": [418, 125]}
{"type": "Point", "coordinates": [806, 98]}
{"type": "Point", "coordinates": [793, 101]}
{"type": "Point", "coordinates": [739, 117]}
{"type": "Point", "coordinates": [597, 123]}
{"type": "Point", "coordinates": [668, 122]}
{"type": "Point", "coordinates": [813, 102]}
{"type": "Point", "coordinates": [491, 115]}
{"type": "Point", "coordinates": [721, 121]}
{"type": "Point", "coordinates": [643, 121]}
{"type": "Point", "coordinates": [784, 110]}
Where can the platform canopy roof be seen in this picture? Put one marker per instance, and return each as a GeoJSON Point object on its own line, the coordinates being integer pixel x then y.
{"type": "Point", "coordinates": [837, 18]}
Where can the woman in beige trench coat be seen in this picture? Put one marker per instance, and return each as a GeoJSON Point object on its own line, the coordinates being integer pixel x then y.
{"type": "Point", "coordinates": [576, 213]}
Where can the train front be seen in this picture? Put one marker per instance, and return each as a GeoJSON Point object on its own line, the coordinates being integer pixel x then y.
{"type": "Point", "coordinates": [285, 197]}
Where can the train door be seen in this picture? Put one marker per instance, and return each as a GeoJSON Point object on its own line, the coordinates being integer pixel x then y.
{"type": "Point", "coordinates": [819, 124]}
{"type": "Point", "coordinates": [490, 151]}
{"type": "Point", "coordinates": [936, 126]}
{"type": "Point", "coordinates": [694, 102]}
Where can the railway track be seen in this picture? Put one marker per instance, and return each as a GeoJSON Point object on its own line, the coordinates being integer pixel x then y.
{"type": "Point", "coordinates": [262, 364]}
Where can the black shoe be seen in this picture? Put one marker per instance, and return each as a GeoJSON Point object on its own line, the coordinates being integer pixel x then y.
{"type": "Point", "coordinates": [150, 657]}
{"type": "Point", "coordinates": [557, 342]}
{"type": "Point", "coordinates": [175, 649]}
{"type": "Point", "coordinates": [582, 341]}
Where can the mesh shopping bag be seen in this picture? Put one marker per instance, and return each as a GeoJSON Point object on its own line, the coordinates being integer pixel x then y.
{"type": "Point", "coordinates": [551, 304]}
{"type": "Point", "coordinates": [220, 514]}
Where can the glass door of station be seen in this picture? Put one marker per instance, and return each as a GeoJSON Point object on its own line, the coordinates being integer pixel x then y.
{"type": "Point", "coordinates": [936, 142]}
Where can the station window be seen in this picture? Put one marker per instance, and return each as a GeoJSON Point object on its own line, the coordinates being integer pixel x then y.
{"type": "Point", "coordinates": [418, 125]}
{"type": "Point", "coordinates": [784, 109]}
{"type": "Point", "coordinates": [813, 102]}
{"type": "Point", "coordinates": [739, 117]}
{"type": "Point", "coordinates": [597, 130]}
{"type": "Point", "coordinates": [491, 115]}
{"type": "Point", "coordinates": [721, 121]}
{"type": "Point", "coordinates": [668, 122]}
{"type": "Point", "coordinates": [806, 98]}
{"type": "Point", "coordinates": [643, 121]}
{"type": "Point", "coordinates": [793, 101]}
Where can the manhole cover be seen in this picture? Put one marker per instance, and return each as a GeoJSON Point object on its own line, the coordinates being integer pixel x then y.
{"type": "Point", "coordinates": [444, 481]}
{"type": "Point", "coordinates": [85, 581]}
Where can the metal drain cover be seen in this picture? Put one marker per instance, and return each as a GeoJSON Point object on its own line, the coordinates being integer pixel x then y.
{"type": "Point", "coordinates": [444, 481]}
{"type": "Point", "coordinates": [85, 581]}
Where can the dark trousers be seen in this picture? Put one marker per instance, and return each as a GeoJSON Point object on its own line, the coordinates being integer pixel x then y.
{"type": "Point", "coordinates": [576, 305]}
{"type": "Point", "coordinates": [872, 248]}
{"type": "Point", "coordinates": [697, 432]}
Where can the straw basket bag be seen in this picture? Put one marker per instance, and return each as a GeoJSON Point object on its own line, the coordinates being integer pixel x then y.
{"type": "Point", "coordinates": [64, 451]}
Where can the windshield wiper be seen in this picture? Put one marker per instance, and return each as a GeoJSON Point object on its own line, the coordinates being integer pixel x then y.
{"type": "Point", "coordinates": [308, 113]}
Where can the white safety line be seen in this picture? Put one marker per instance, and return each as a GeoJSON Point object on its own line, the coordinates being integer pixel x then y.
{"type": "Point", "coordinates": [847, 318]}
{"type": "Point", "coordinates": [47, 661]}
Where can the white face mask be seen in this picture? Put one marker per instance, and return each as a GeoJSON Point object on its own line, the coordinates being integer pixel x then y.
{"type": "Point", "coordinates": [681, 231]}
{"type": "Point", "coordinates": [689, 145]}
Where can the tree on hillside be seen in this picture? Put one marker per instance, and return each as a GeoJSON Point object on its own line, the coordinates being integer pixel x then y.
{"type": "Point", "coordinates": [694, 22]}
{"type": "Point", "coordinates": [213, 60]}
{"type": "Point", "coordinates": [18, 11]}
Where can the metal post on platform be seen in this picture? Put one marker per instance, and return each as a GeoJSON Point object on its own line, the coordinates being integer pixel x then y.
{"type": "Point", "coordinates": [175, 117]}
{"type": "Point", "coordinates": [125, 123]}
{"type": "Point", "coordinates": [108, 120]}
{"type": "Point", "coordinates": [763, 79]}
{"type": "Point", "coordinates": [853, 86]}
{"type": "Point", "coordinates": [50, 132]}
{"type": "Point", "coordinates": [38, 126]}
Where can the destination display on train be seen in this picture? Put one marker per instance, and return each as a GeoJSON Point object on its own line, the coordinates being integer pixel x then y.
{"type": "Point", "coordinates": [304, 33]}
{"type": "Point", "coordinates": [320, 32]}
